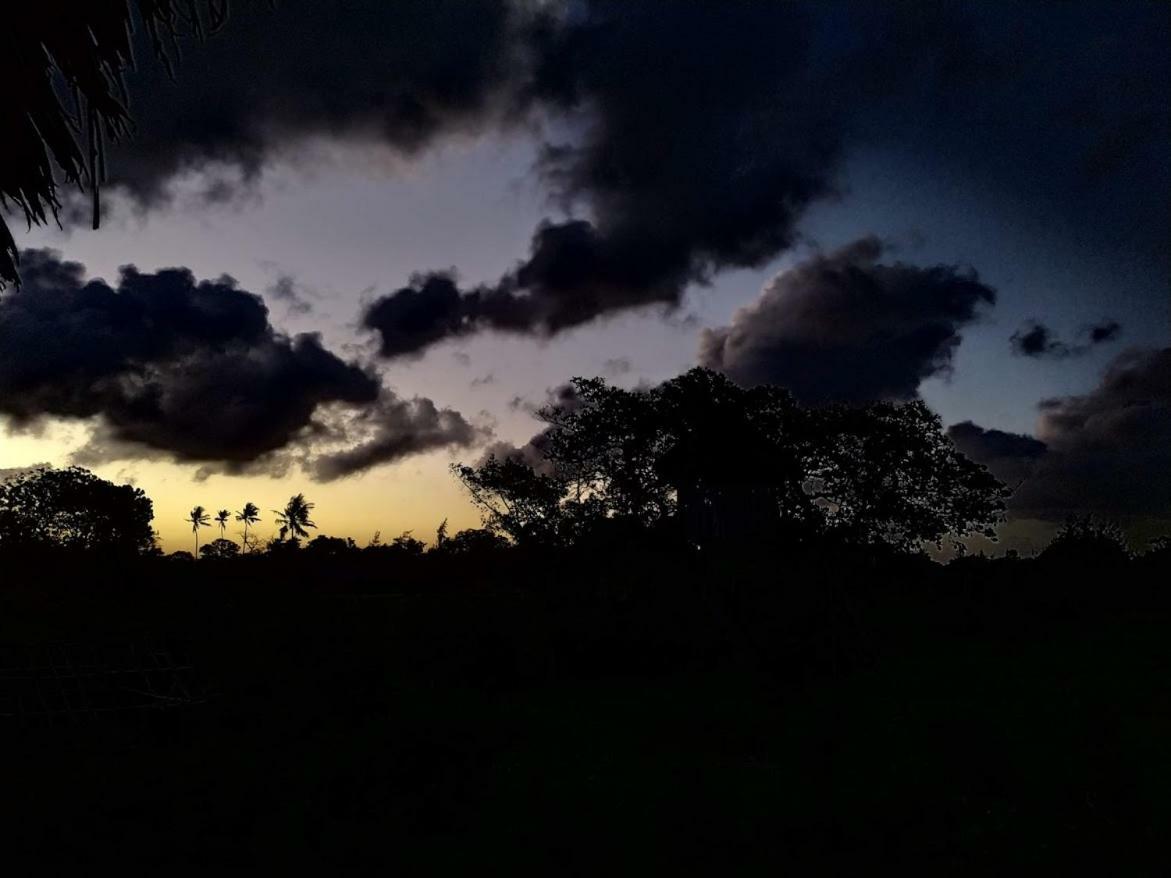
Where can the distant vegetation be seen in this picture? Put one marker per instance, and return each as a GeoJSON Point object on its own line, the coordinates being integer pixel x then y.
{"type": "Point", "coordinates": [696, 464]}
{"type": "Point", "coordinates": [695, 619]}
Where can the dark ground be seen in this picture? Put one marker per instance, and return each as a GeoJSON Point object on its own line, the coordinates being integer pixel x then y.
{"type": "Point", "coordinates": [966, 719]}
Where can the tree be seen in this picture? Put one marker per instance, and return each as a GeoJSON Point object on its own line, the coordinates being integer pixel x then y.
{"type": "Point", "coordinates": [515, 500]}
{"type": "Point", "coordinates": [250, 514]}
{"type": "Point", "coordinates": [405, 544]}
{"type": "Point", "coordinates": [222, 518]}
{"type": "Point", "coordinates": [197, 518]}
{"type": "Point", "coordinates": [330, 546]}
{"type": "Point", "coordinates": [294, 518]}
{"type": "Point", "coordinates": [722, 463]}
{"type": "Point", "coordinates": [604, 445]}
{"type": "Point", "coordinates": [887, 474]}
{"type": "Point", "coordinates": [1085, 541]}
{"type": "Point", "coordinates": [220, 549]}
{"type": "Point", "coordinates": [62, 64]}
{"type": "Point", "coordinates": [472, 541]}
{"type": "Point", "coordinates": [74, 510]}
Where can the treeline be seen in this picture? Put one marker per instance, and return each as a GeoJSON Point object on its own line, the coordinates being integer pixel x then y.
{"type": "Point", "coordinates": [694, 466]}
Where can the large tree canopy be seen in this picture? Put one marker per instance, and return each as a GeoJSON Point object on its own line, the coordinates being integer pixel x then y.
{"type": "Point", "coordinates": [723, 462]}
{"type": "Point", "coordinates": [74, 510]}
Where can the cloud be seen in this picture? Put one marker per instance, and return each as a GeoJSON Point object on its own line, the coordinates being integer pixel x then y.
{"type": "Point", "coordinates": [393, 429]}
{"type": "Point", "coordinates": [1036, 340]}
{"type": "Point", "coordinates": [846, 327]}
{"type": "Point", "coordinates": [1107, 451]}
{"type": "Point", "coordinates": [191, 370]}
{"type": "Point", "coordinates": [398, 76]}
{"type": "Point", "coordinates": [674, 146]}
{"type": "Point", "coordinates": [1108, 330]}
{"type": "Point", "coordinates": [616, 366]}
{"type": "Point", "coordinates": [285, 290]}
{"type": "Point", "coordinates": [1011, 457]}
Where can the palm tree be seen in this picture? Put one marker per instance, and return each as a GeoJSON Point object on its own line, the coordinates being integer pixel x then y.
{"type": "Point", "coordinates": [250, 514]}
{"type": "Point", "coordinates": [221, 518]}
{"type": "Point", "coordinates": [64, 95]}
{"type": "Point", "coordinates": [198, 518]}
{"type": "Point", "coordinates": [294, 518]}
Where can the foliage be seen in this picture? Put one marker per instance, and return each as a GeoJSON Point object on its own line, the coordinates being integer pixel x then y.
{"type": "Point", "coordinates": [74, 510]}
{"type": "Point", "coordinates": [247, 516]}
{"type": "Point", "coordinates": [731, 463]}
{"type": "Point", "coordinates": [887, 474]}
{"type": "Point", "coordinates": [62, 64]}
{"type": "Point", "coordinates": [220, 549]}
{"type": "Point", "coordinates": [197, 518]}
{"type": "Point", "coordinates": [472, 541]}
{"type": "Point", "coordinates": [516, 501]}
{"type": "Point", "coordinates": [326, 546]}
{"type": "Point", "coordinates": [1087, 541]}
{"type": "Point", "coordinates": [294, 518]}
{"type": "Point", "coordinates": [405, 544]}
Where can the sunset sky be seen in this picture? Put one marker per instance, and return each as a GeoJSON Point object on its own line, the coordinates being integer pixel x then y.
{"type": "Point", "coordinates": [967, 204]}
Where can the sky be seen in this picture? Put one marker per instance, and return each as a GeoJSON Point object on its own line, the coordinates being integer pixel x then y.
{"type": "Point", "coordinates": [470, 203]}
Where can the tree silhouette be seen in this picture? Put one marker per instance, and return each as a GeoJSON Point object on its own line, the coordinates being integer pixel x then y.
{"type": "Point", "coordinates": [725, 463]}
{"type": "Point", "coordinates": [220, 549]}
{"type": "Point", "coordinates": [250, 514]}
{"type": "Point", "coordinates": [73, 509]}
{"type": "Point", "coordinates": [63, 65]}
{"type": "Point", "coordinates": [222, 518]}
{"type": "Point", "coordinates": [197, 518]}
{"type": "Point", "coordinates": [887, 474]}
{"type": "Point", "coordinates": [1086, 542]}
{"type": "Point", "coordinates": [294, 518]}
{"type": "Point", "coordinates": [515, 500]}
{"type": "Point", "coordinates": [472, 541]}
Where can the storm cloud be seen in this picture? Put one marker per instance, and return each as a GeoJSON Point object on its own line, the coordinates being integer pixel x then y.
{"type": "Point", "coordinates": [190, 369]}
{"type": "Point", "coordinates": [673, 147]}
{"type": "Point", "coordinates": [393, 429]}
{"type": "Point", "coordinates": [845, 327]}
{"type": "Point", "coordinates": [676, 146]}
{"type": "Point", "coordinates": [397, 75]}
{"type": "Point", "coordinates": [1107, 451]}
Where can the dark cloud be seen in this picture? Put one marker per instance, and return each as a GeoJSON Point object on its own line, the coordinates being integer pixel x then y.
{"type": "Point", "coordinates": [190, 369]}
{"type": "Point", "coordinates": [1010, 457]}
{"type": "Point", "coordinates": [1106, 452]}
{"type": "Point", "coordinates": [393, 429]}
{"type": "Point", "coordinates": [846, 327]}
{"type": "Point", "coordinates": [397, 74]}
{"type": "Point", "coordinates": [1100, 333]}
{"type": "Point", "coordinates": [1036, 340]}
{"type": "Point", "coordinates": [678, 143]}
{"type": "Point", "coordinates": [738, 143]}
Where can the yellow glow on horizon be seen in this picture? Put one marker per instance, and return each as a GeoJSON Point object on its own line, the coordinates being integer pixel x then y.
{"type": "Point", "coordinates": [415, 494]}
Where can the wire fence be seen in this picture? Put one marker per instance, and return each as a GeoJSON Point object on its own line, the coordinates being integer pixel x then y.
{"type": "Point", "coordinates": [66, 683]}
